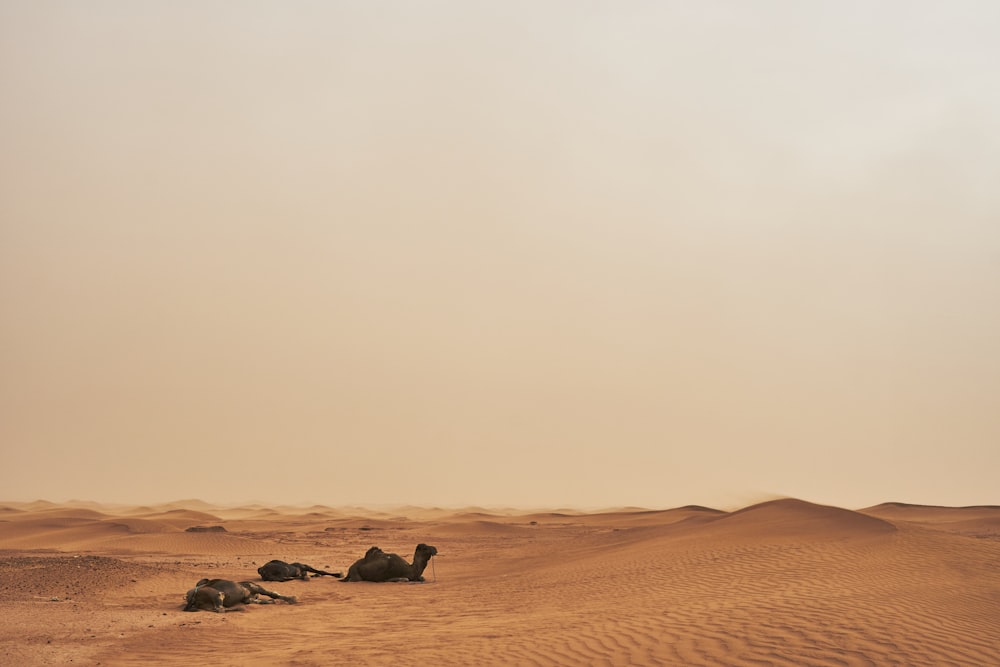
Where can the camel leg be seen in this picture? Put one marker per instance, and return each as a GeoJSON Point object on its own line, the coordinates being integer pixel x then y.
{"type": "Point", "coordinates": [321, 573]}
{"type": "Point", "coordinates": [256, 589]}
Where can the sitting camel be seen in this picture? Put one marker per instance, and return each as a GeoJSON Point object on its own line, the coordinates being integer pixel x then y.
{"type": "Point", "coordinates": [380, 566]}
{"type": "Point", "coordinates": [220, 594]}
{"type": "Point", "coordinates": [279, 570]}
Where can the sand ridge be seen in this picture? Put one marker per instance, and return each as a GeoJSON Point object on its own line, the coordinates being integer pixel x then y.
{"type": "Point", "coordinates": [785, 582]}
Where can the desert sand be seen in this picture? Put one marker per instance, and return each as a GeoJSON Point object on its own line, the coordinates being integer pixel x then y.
{"type": "Point", "coordinates": [784, 582]}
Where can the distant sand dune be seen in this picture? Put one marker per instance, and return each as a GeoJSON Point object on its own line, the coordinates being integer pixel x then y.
{"type": "Point", "coordinates": [931, 515]}
{"type": "Point", "coordinates": [179, 517]}
{"type": "Point", "coordinates": [483, 528]}
{"type": "Point", "coordinates": [780, 583]}
{"type": "Point", "coordinates": [792, 517]}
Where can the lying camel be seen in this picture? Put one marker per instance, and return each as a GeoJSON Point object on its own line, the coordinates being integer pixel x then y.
{"type": "Point", "coordinates": [380, 566]}
{"type": "Point", "coordinates": [220, 594]}
{"type": "Point", "coordinates": [279, 570]}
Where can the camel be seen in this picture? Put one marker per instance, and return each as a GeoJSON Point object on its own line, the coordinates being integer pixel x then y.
{"type": "Point", "coordinates": [220, 594]}
{"type": "Point", "coordinates": [380, 566]}
{"type": "Point", "coordinates": [279, 570]}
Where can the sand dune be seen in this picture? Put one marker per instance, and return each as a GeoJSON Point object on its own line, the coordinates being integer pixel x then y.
{"type": "Point", "coordinates": [795, 519]}
{"type": "Point", "coordinates": [785, 582]}
{"type": "Point", "coordinates": [931, 514]}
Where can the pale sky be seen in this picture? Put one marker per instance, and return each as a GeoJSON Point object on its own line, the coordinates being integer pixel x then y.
{"type": "Point", "coordinates": [529, 254]}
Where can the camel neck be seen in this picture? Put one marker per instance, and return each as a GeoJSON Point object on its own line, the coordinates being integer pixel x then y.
{"type": "Point", "coordinates": [419, 563]}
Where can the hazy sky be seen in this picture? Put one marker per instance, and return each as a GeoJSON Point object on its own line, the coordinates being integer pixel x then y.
{"type": "Point", "coordinates": [552, 254]}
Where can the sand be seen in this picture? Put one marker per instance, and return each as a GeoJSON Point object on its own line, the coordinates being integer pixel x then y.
{"type": "Point", "coordinates": [784, 582]}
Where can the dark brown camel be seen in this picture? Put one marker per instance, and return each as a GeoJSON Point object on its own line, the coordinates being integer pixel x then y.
{"type": "Point", "coordinates": [221, 594]}
{"type": "Point", "coordinates": [380, 566]}
{"type": "Point", "coordinates": [279, 570]}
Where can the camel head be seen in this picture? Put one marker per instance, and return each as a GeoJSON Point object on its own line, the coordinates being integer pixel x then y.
{"type": "Point", "coordinates": [191, 599]}
{"type": "Point", "coordinates": [425, 550]}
